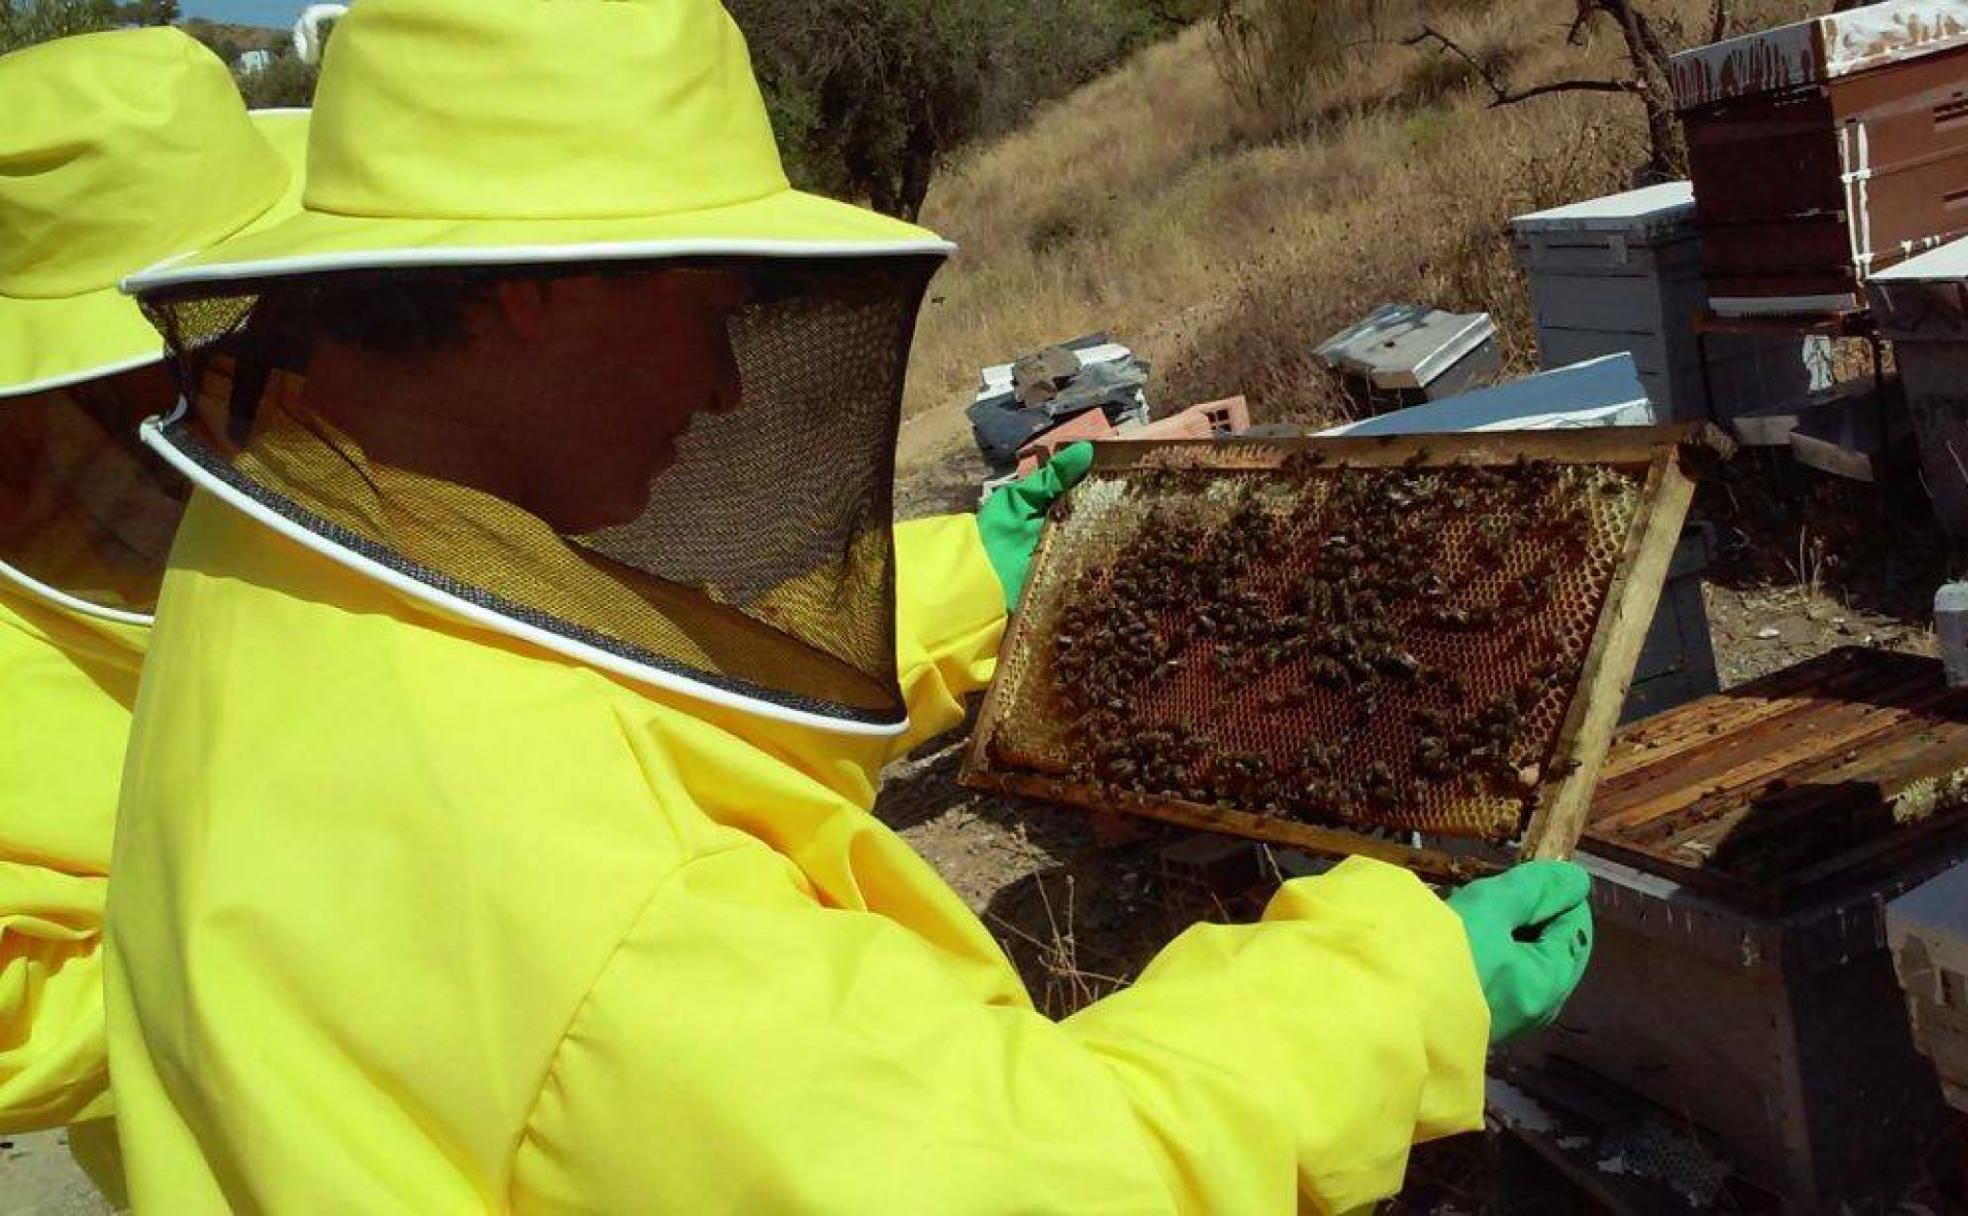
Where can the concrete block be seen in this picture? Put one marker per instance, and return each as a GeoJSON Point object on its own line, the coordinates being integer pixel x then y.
{"type": "Point", "coordinates": [1951, 624]}
{"type": "Point", "coordinates": [1927, 932]}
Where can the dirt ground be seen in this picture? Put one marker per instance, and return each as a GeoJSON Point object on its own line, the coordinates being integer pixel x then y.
{"type": "Point", "coordinates": [39, 1178]}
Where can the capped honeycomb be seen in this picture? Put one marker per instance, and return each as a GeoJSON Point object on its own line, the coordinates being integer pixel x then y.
{"type": "Point", "coordinates": [1371, 647]}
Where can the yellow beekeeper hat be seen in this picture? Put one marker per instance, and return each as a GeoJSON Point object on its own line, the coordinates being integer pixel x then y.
{"type": "Point", "coordinates": [117, 150]}
{"type": "Point", "coordinates": [486, 132]}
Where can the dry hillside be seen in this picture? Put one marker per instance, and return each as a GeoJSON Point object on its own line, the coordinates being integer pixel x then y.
{"type": "Point", "coordinates": [1150, 205]}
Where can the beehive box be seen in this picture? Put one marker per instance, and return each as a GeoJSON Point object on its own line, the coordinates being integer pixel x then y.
{"type": "Point", "coordinates": [1677, 659]}
{"type": "Point", "coordinates": [1743, 847]}
{"type": "Point", "coordinates": [1338, 643]}
{"type": "Point", "coordinates": [1623, 273]}
{"type": "Point", "coordinates": [1781, 1036]}
{"type": "Point", "coordinates": [1825, 151]}
{"type": "Point", "coordinates": [1401, 355]}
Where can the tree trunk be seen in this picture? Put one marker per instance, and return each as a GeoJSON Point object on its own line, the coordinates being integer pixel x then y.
{"type": "Point", "coordinates": [1667, 157]}
{"type": "Point", "coordinates": [918, 165]}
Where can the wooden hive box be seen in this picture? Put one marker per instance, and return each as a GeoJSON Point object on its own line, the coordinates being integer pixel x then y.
{"type": "Point", "coordinates": [1743, 848]}
{"type": "Point", "coordinates": [1825, 150]}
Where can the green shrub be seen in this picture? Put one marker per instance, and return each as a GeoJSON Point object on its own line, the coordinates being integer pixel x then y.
{"type": "Point", "coordinates": [285, 82]}
{"type": "Point", "coordinates": [26, 22]}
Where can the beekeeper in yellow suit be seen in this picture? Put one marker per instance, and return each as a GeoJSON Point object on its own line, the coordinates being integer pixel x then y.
{"type": "Point", "coordinates": [115, 150]}
{"type": "Point", "coordinates": [523, 671]}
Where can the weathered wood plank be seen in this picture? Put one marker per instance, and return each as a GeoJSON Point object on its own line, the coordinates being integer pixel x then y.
{"type": "Point", "coordinates": [1665, 738]}
{"type": "Point", "coordinates": [1704, 759]}
{"type": "Point", "coordinates": [1824, 771]}
{"type": "Point", "coordinates": [1555, 826]}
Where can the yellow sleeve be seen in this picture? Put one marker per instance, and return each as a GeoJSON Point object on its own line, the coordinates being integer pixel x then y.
{"type": "Point", "coordinates": [54, 1065]}
{"type": "Point", "coordinates": [67, 685]}
{"type": "Point", "coordinates": [949, 616]}
{"type": "Point", "coordinates": [750, 1050]}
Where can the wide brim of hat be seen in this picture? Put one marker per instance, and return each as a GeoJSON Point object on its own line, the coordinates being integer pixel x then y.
{"type": "Point", "coordinates": [50, 343]}
{"type": "Point", "coordinates": [785, 224]}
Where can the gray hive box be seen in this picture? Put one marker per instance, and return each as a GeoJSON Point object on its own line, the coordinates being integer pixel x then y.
{"type": "Point", "coordinates": [1784, 1035]}
{"type": "Point", "coordinates": [1624, 273]}
{"type": "Point", "coordinates": [1744, 848]}
{"type": "Point", "coordinates": [1677, 660]}
{"type": "Point", "coordinates": [1404, 354]}
{"type": "Point", "coordinates": [1922, 306]}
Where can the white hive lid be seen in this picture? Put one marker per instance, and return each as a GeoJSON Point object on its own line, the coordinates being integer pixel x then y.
{"type": "Point", "coordinates": [1942, 264]}
{"type": "Point", "coordinates": [1651, 211]}
{"type": "Point", "coordinates": [1405, 345]}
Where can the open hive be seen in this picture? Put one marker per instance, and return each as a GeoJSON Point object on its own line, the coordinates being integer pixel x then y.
{"type": "Point", "coordinates": [1340, 643]}
{"type": "Point", "coordinates": [1849, 768]}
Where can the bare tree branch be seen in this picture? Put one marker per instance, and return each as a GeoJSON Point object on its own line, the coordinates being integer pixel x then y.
{"type": "Point", "coordinates": [1630, 87]}
{"type": "Point", "coordinates": [1575, 34]}
{"type": "Point", "coordinates": [1648, 84]}
{"type": "Point", "coordinates": [1642, 35]}
{"type": "Point", "coordinates": [1651, 73]}
{"type": "Point", "coordinates": [1718, 20]}
{"type": "Point", "coordinates": [1501, 93]}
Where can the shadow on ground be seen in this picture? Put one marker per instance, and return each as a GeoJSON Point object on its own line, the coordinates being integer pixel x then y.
{"type": "Point", "coordinates": [1075, 900]}
{"type": "Point", "coordinates": [1876, 550]}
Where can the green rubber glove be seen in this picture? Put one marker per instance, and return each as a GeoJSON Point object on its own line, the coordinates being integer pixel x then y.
{"type": "Point", "coordinates": [1530, 931]}
{"type": "Point", "coordinates": [1010, 520]}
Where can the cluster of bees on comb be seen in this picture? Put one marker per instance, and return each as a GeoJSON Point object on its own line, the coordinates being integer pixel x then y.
{"type": "Point", "coordinates": [1334, 644]}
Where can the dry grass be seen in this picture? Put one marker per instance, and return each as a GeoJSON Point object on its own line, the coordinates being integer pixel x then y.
{"type": "Point", "coordinates": [1147, 204]}
{"type": "Point", "coordinates": [1065, 986]}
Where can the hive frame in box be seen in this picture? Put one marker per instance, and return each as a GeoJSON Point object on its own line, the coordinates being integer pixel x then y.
{"type": "Point", "coordinates": [1851, 737]}
{"type": "Point", "coordinates": [1659, 456]}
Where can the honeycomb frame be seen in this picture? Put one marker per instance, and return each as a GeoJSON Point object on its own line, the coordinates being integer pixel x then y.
{"type": "Point", "coordinates": [1150, 513]}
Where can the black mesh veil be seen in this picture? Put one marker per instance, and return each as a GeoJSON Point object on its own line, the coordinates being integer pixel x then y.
{"type": "Point", "coordinates": [86, 514]}
{"type": "Point", "coordinates": [761, 570]}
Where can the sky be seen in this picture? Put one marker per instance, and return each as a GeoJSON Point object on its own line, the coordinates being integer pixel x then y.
{"type": "Point", "coordinates": [275, 14]}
